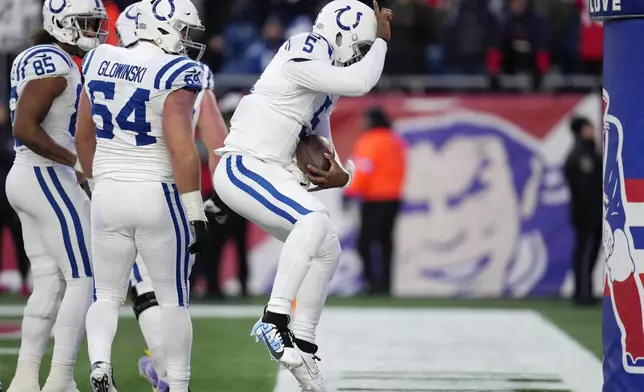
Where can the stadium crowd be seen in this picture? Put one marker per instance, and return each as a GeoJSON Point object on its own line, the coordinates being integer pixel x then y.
{"type": "Point", "coordinates": [433, 36]}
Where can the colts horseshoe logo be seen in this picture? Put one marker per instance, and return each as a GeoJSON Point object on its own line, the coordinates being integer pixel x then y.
{"type": "Point", "coordinates": [342, 11]}
{"type": "Point", "coordinates": [57, 10]}
{"type": "Point", "coordinates": [163, 18]}
{"type": "Point", "coordinates": [129, 12]}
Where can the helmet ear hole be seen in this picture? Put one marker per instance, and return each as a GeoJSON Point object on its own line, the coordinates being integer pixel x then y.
{"type": "Point", "coordinates": [338, 40]}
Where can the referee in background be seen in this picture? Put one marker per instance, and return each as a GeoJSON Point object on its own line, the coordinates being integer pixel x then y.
{"type": "Point", "coordinates": [379, 155]}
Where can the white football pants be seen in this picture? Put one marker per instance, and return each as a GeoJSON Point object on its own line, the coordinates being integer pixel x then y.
{"type": "Point", "coordinates": [268, 195]}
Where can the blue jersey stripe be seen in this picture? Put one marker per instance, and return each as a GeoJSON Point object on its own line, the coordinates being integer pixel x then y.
{"type": "Point", "coordinates": [328, 44]}
{"type": "Point", "coordinates": [179, 247]}
{"type": "Point", "coordinates": [49, 50]}
{"type": "Point", "coordinates": [165, 69]}
{"type": "Point", "coordinates": [179, 71]}
{"type": "Point", "coordinates": [208, 78]}
{"type": "Point", "coordinates": [137, 273]}
{"type": "Point", "coordinates": [254, 194]}
{"type": "Point", "coordinates": [261, 181]}
{"type": "Point", "coordinates": [87, 60]}
{"type": "Point", "coordinates": [78, 227]}
{"type": "Point", "coordinates": [19, 61]}
{"type": "Point", "coordinates": [61, 219]}
{"type": "Point", "coordinates": [186, 231]}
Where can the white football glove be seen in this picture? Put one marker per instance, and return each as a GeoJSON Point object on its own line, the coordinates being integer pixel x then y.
{"type": "Point", "coordinates": [350, 168]}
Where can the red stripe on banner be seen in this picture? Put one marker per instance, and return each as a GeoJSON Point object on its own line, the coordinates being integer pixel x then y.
{"type": "Point", "coordinates": [634, 190]}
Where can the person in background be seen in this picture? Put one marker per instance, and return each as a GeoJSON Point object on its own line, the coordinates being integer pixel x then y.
{"type": "Point", "coordinates": [583, 170]}
{"type": "Point", "coordinates": [234, 228]}
{"type": "Point", "coordinates": [415, 31]}
{"type": "Point", "coordinates": [525, 40]}
{"type": "Point", "coordinates": [471, 38]}
{"type": "Point", "coordinates": [8, 217]}
{"type": "Point", "coordinates": [260, 53]}
{"type": "Point", "coordinates": [379, 155]}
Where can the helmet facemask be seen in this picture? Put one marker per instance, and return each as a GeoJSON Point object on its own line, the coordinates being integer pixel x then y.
{"type": "Point", "coordinates": [360, 49]}
{"type": "Point", "coordinates": [88, 30]}
{"type": "Point", "coordinates": [187, 46]}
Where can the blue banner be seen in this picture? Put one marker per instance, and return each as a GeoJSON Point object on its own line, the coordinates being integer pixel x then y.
{"type": "Point", "coordinates": [614, 9]}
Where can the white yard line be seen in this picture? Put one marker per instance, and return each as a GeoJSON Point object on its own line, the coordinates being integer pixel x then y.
{"type": "Point", "coordinates": [388, 350]}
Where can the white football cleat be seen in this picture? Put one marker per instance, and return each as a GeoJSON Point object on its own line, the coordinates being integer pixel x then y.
{"type": "Point", "coordinates": [24, 385]}
{"type": "Point", "coordinates": [279, 343]}
{"type": "Point", "coordinates": [101, 378]}
{"type": "Point", "coordinates": [308, 375]}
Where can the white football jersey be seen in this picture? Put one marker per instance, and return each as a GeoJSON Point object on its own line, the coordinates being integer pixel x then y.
{"type": "Point", "coordinates": [128, 89]}
{"type": "Point", "coordinates": [47, 61]}
{"type": "Point", "coordinates": [295, 95]}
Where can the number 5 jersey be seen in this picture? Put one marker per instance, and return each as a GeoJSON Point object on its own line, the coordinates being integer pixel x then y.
{"type": "Point", "coordinates": [295, 95]}
{"type": "Point", "coordinates": [127, 89]}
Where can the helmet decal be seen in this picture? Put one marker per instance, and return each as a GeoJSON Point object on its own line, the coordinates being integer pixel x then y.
{"type": "Point", "coordinates": [131, 8]}
{"type": "Point", "coordinates": [342, 11]}
{"type": "Point", "coordinates": [160, 17]}
{"type": "Point", "coordinates": [57, 10]}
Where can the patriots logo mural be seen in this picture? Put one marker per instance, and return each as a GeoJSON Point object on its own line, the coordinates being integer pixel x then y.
{"type": "Point", "coordinates": [486, 209]}
{"type": "Point", "coordinates": [620, 239]}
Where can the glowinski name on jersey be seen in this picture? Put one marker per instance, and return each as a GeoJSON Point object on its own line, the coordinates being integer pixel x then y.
{"type": "Point", "coordinates": [129, 72]}
{"type": "Point", "coordinates": [127, 90]}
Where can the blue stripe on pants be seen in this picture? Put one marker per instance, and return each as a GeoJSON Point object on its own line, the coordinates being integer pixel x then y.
{"type": "Point", "coordinates": [61, 219]}
{"type": "Point", "coordinates": [179, 255]}
{"type": "Point", "coordinates": [78, 227]}
{"type": "Point", "coordinates": [261, 181]}
{"type": "Point", "coordinates": [254, 194]}
{"type": "Point", "coordinates": [137, 273]}
{"type": "Point", "coordinates": [186, 231]}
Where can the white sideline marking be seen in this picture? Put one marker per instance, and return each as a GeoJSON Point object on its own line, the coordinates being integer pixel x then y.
{"type": "Point", "coordinates": [8, 351]}
{"type": "Point", "coordinates": [196, 311]}
{"type": "Point", "coordinates": [387, 350]}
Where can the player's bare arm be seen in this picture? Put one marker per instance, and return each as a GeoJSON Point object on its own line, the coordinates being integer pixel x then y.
{"type": "Point", "coordinates": [184, 158]}
{"type": "Point", "coordinates": [32, 109]}
{"type": "Point", "coordinates": [85, 135]}
{"type": "Point", "coordinates": [212, 128]}
{"type": "Point", "coordinates": [180, 141]}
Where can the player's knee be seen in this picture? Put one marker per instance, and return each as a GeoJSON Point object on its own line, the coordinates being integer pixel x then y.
{"type": "Point", "coordinates": [318, 221]}
{"type": "Point", "coordinates": [332, 247]}
{"type": "Point", "coordinates": [142, 302]}
{"type": "Point", "coordinates": [115, 295]}
{"type": "Point", "coordinates": [312, 230]}
{"type": "Point", "coordinates": [46, 296]}
{"type": "Point", "coordinates": [169, 294]}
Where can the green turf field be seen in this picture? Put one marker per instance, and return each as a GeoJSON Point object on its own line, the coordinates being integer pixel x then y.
{"type": "Point", "coordinates": [226, 359]}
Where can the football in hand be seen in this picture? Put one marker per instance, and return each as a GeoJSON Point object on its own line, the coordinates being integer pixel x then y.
{"type": "Point", "coordinates": [311, 150]}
